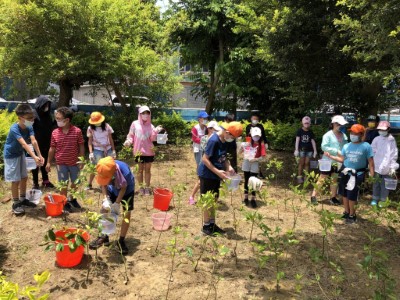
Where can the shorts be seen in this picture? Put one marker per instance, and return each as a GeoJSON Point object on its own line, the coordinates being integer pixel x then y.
{"type": "Point", "coordinates": [306, 154]}
{"type": "Point", "coordinates": [198, 156]}
{"type": "Point", "coordinates": [65, 173]}
{"type": "Point", "coordinates": [334, 170]}
{"type": "Point", "coordinates": [15, 169]}
{"type": "Point", "coordinates": [207, 185]}
{"type": "Point", "coordinates": [248, 166]}
{"type": "Point", "coordinates": [144, 159]}
{"type": "Point", "coordinates": [379, 191]}
{"type": "Point", "coordinates": [99, 154]}
{"type": "Point", "coordinates": [350, 195]}
{"type": "Point", "coordinates": [128, 198]}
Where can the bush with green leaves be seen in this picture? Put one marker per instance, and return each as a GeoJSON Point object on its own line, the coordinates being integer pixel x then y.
{"type": "Point", "coordinates": [177, 128]}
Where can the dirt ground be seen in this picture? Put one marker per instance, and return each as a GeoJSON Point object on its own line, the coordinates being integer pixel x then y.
{"type": "Point", "coordinates": [222, 271]}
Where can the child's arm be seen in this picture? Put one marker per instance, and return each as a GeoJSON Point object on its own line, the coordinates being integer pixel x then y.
{"type": "Point", "coordinates": [220, 173]}
{"type": "Point", "coordinates": [338, 158]}
{"type": "Point", "coordinates": [29, 150]}
{"type": "Point", "coordinates": [50, 158]}
{"type": "Point", "coordinates": [110, 138]}
{"type": "Point", "coordinates": [129, 138]}
{"type": "Point", "coordinates": [37, 150]}
{"type": "Point", "coordinates": [296, 146]}
{"type": "Point", "coordinates": [371, 166]}
{"type": "Point", "coordinates": [90, 147]}
{"type": "Point", "coordinates": [81, 153]}
{"type": "Point", "coordinates": [314, 146]}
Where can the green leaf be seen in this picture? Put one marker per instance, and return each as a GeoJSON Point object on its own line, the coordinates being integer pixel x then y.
{"type": "Point", "coordinates": [51, 235]}
{"type": "Point", "coordinates": [59, 247]}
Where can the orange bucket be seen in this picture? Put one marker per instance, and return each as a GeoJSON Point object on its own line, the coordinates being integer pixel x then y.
{"type": "Point", "coordinates": [56, 208]}
{"type": "Point", "coordinates": [162, 198]}
{"type": "Point", "coordinates": [66, 258]}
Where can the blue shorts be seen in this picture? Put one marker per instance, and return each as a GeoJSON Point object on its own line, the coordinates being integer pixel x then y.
{"type": "Point", "coordinates": [353, 194]}
{"type": "Point", "coordinates": [15, 169]}
{"type": "Point", "coordinates": [99, 154]}
{"type": "Point", "coordinates": [306, 154]}
{"type": "Point", "coordinates": [66, 173]}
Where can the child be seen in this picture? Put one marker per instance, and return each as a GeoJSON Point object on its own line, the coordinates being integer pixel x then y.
{"type": "Point", "coordinates": [212, 127]}
{"type": "Point", "coordinates": [305, 142]}
{"type": "Point", "coordinates": [250, 167]}
{"type": "Point", "coordinates": [231, 147]}
{"type": "Point", "coordinates": [117, 183]}
{"type": "Point", "coordinates": [385, 160]}
{"type": "Point", "coordinates": [198, 131]}
{"type": "Point", "coordinates": [214, 167]}
{"type": "Point", "coordinates": [43, 127]}
{"type": "Point", "coordinates": [14, 156]}
{"type": "Point", "coordinates": [66, 146]}
{"type": "Point", "coordinates": [142, 134]}
{"type": "Point", "coordinates": [354, 157]}
{"type": "Point", "coordinates": [100, 141]}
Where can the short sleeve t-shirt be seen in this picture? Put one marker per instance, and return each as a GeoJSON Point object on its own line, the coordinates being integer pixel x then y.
{"type": "Point", "coordinates": [130, 180]}
{"type": "Point", "coordinates": [100, 137]}
{"type": "Point", "coordinates": [356, 155]}
{"type": "Point", "coordinates": [66, 145]}
{"type": "Point", "coordinates": [216, 151]}
{"type": "Point", "coordinates": [305, 140]}
{"type": "Point", "coordinates": [12, 148]}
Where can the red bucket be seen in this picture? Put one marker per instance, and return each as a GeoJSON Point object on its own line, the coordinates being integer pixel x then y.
{"type": "Point", "coordinates": [66, 258]}
{"type": "Point", "coordinates": [56, 208]}
{"type": "Point", "coordinates": [162, 198]}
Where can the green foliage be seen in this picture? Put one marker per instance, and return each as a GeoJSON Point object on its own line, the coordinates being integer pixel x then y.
{"type": "Point", "coordinates": [73, 238]}
{"type": "Point", "coordinates": [178, 129]}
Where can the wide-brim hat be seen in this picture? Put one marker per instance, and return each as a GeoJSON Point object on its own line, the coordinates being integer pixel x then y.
{"type": "Point", "coordinates": [96, 118]}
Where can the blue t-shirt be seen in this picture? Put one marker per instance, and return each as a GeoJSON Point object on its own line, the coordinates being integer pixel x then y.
{"type": "Point", "coordinates": [216, 151]}
{"type": "Point", "coordinates": [130, 180]}
{"type": "Point", "coordinates": [356, 155]}
{"type": "Point", "coordinates": [12, 148]}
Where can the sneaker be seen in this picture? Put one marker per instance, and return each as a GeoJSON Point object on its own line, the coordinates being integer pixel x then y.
{"type": "Point", "coordinates": [74, 203]}
{"type": "Point", "coordinates": [121, 247]}
{"type": "Point", "coordinates": [141, 191]}
{"type": "Point", "coordinates": [35, 186]}
{"type": "Point", "coordinates": [314, 200]}
{"type": "Point", "coordinates": [100, 241]}
{"type": "Point", "coordinates": [207, 229]}
{"type": "Point", "coordinates": [68, 207]}
{"type": "Point", "coordinates": [47, 184]}
{"type": "Point", "coordinates": [147, 192]}
{"type": "Point", "coordinates": [351, 219]}
{"type": "Point", "coordinates": [345, 215]}
{"type": "Point", "coordinates": [253, 203]}
{"type": "Point", "coordinates": [374, 202]}
{"type": "Point", "coordinates": [334, 201]}
{"type": "Point", "coordinates": [17, 208]}
{"type": "Point", "coordinates": [27, 203]}
{"type": "Point", "coordinates": [217, 229]}
{"type": "Point", "coordinates": [261, 176]}
{"type": "Point", "coordinates": [299, 179]}
{"type": "Point", "coordinates": [246, 202]}
{"type": "Point", "coordinates": [88, 187]}
{"type": "Point", "coordinates": [191, 200]}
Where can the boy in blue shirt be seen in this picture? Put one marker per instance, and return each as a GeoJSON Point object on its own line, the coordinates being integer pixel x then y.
{"type": "Point", "coordinates": [354, 157]}
{"type": "Point", "coordinates": [20, 135]}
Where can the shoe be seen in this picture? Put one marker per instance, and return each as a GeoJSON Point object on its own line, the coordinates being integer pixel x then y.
{"type": "Point", "coordinates": [47, 184]}
{"type": "Point", "coordinates": [246, 202]}
{"type": "Point", "coordinates": [17, 208]}
{"type": "Point", "coordinates": [314, 200]}
{"type": "Point", "coordinates": [27, 203]}
{"type": "Point", "coordinates": [100, 241]}
{"type": "Point", "coordinates": [35, 186]}
{"type": "Point", "coordinates": [147, 192]}
{"type": "Point", "coordinates": [121, 247]}
{"type": "Point", "coordinates": [345, 215]}
{"type": "Point", "coordinates": [68, 207]}
{"type": "Point", "coordinates": [334, 201]}
{"type": "Point", "coordinates": [88, 187]}
{"type": "Point", "coordinates": [351, 219]}
{"type": "Point", "coordinates": [374, 202]}
{"type": "Point", "coordinates": [299, 179]}
{"type": "Point", "coordinates": [191, 200]}
{"type": "Point", "coordinates": [253, 203]}
{"type": "Point", "coordinates": [261, 176]}
{"type": "Point", "coordinates": [207, 229]}
{"type": "Point", "coordinates": [217, 229]}
{"type": "Point", "coordinates": [74, 203]}
{"type": "Point", "coordinates": [141, 191]}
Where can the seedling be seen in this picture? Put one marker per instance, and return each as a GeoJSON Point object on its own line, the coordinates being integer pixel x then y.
{"type": "Point", "coordinates": [326, 220]}
{"type": "Point", "coordinates": [74, 239]}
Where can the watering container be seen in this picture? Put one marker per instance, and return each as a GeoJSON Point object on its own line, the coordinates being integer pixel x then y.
{"type": "Point", "coordinates": [55, 208]}
{"type": "Point", "coordinates": [313, 164]}
{"type": "Point", "coordinates": [249, 152]}
{"type": "Point", "coordinates": [162, 198]}
{"type": "Point", "coordinates": [34, 196]}
{"type": "Point", "coordinates": [234, 182]}
{"type": "Point", "coordinates": [30, 163]}
{"type": "Point", "coordinates": [325, 165]}
{"type": "Point", "coordinates": [162, 138]}
{"type": "Point", "coordinates": [108, 222]}
{"type": "Point", "coordinates": [161, 221]}
{"type": "Point", "coordinates": [66, 258]}
{"type": "Point", "coordinates": [391, 183]}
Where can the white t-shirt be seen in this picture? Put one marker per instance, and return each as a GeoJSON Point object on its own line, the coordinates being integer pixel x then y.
{"type": "Point", "coordinates": [100, 138]}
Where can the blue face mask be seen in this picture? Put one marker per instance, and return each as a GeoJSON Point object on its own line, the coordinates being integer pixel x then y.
{"type": "Point", "coordinates": [354, 138]}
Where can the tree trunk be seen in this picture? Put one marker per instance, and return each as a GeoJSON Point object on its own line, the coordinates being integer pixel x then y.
{"type": "Point", "coordinates": [65, 93]}
{"type": "Point", "coordinates": [214, 76]}
{"type": "Point", "coordinates": [121, 99]}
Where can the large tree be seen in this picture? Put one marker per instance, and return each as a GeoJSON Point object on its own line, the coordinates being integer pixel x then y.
{"type": "Point", "coordinates": [115, 43]}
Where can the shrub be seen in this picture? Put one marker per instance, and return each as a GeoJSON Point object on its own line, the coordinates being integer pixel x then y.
{"type": "Point", "coordinates": [178, 129]}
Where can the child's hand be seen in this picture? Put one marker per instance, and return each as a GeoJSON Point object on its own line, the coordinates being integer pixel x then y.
{"type": "Point", "coordinates": [127, 143]}
{"type": "Point", "coordinates": [315, 154]}
{"type": "Point", "coordinates": [296, 153]}
{"type": "Point", "coordinates": [41, 160]}
{"type": "Point", "coordinates": [222, 174]}
{"type": "Point", "coordinates": [48, 167]}
{"type": "Point", "coordinates": [38, 160]}
{"type": "Point", "coordinates": [327, 154]}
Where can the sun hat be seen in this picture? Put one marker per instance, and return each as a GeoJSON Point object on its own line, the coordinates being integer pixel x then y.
{"type": "Point", "coordinates": [143, 108]}
{"type": "Point", "coordinates": [214, 125]}
{"type": "Point", "coordinates": [255, 131]}
{"type": "Point", "coordinates": [383, 125]}
{"type": "Point", "coordinates": [105, 170]}
{"type": "Point", "coordinates": [306, 120]}
{"type": "Point", "coordinates": [339, 119]}
{"type": "Point", "coordinates": [202, 114]}
{"type": "Point", "coordinates": [357, 128]}
{"type": "Point", "coordinates": [96, 118]}
{"type": "Point", "coordinates": [234, 128]}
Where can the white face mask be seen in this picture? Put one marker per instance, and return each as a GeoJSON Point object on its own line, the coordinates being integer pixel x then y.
{"type": "Point", "coordinates": [229, 140]}
{"type": "Point", "coordinates": [145, 117]}
{"type": "Point", "coordinates": [46, 109]}
{"type": "Point", "coordinates": [28, 123]}
{"type": "Point", "coordinates": [256, 138]}
{"type": "Point", "coordinates": [60, 123]}
{"type": "Point", "coordinates": [203, 122]}
{"type": "Point", "coordinates": [383, 132]}
{"type": "Point", "coordinates": [254, 122]}
{"type": "Point", "coordinates": [354, 138]}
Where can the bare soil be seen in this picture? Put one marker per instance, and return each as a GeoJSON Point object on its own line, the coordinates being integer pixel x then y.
{"type": "Point", "coordinates": [235, 275]}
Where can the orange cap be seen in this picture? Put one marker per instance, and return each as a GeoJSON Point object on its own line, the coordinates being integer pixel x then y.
{"type": "Point", "coordinates": [105, 170]}
{"type": "Point", "coordinates": [234, 128]}
{"type": "Point", "coordinates": [96, 118]}
{"type": "Point", "coordinates": [357, 128]}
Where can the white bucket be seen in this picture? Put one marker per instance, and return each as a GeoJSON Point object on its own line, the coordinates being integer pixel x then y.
{"type": "Point", "coordinates": [30, 163]}
{"type": "Point", "coordinates": [34, 196]}
{"type": "Point", "coordinates": [249, 152]}
{"type": "Point", "coordinates": [108, 222]}
{"type": "Point", "coordinates": [391, 183]}
{"type": "Point", "coordinates": [325, 165]}
{"type": "Point", "coordinates": [234, 182]}
{"type": "Point", "coordinates": [313, 164]}
{"type": "Point", "coordinates": [162, 138]}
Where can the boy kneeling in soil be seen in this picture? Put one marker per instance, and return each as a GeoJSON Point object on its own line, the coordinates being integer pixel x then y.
{"type": "Point", "coordinates": [117, 184]}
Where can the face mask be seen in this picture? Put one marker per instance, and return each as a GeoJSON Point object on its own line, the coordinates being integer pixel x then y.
{"type": "Point", "coordinates": [256, 138]}
{"type": "Point", "coordinates": [145, 117]}
{"type": "Point", "coordinates": [60, 123]}
{"type": "Point", "coordinates": [383, 132]}
{"type": "Point", "coordinates": [46, 109]}
{"type": "Point", "coordinates": [254, 122]}
{"type": "Point", "coordinates": [204, 122]}
{"type": "Point", "coordinates": [354, 138]}
{"type": "Point", "coordinates": [371, 124]}
{"type": "Point", "coordinates": [28, 123]}
{"type": "Point", "coordinates": [229, 140]}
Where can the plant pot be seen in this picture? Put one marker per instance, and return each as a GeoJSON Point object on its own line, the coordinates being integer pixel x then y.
{"type": "Point", "coordinates": [66, 258]}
